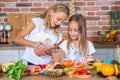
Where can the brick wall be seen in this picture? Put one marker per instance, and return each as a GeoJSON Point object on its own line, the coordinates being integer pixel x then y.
{"type": "Point", "coordinates": [95, 11]}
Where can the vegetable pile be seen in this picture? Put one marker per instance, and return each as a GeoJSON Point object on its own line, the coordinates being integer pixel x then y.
{"type": "Point", "coordinates": [15, 71]}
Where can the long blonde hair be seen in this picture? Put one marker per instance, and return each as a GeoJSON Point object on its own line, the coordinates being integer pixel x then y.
{"type": "Point", "coordinates": [80, 20]}
{"type": "Point", "coordinates": [58, 7]}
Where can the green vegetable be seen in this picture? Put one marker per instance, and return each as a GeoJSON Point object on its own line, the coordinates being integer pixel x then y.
{"type": "Point", "coordinates": [66, 69]}
{"type": "Point", "coordinates": [15, 71]}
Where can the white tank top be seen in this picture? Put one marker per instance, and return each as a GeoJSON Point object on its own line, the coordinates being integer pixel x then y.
{"type": "Point", "coordinates": [38, 34]}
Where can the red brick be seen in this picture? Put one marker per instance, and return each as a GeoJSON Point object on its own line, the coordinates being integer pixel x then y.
{"type": "Point", "coordinates": [23, 4]}
{"type": "Point", "coordinates": [2, 4]}
{"type": "Point", "coordinates": [10, 0]}
{"type": "Point", "coordinates": [106, 28]}
{"type": "Point", "coordinates": [91, 13]}
{"type": "Point", "coordinates": [11, 9]}
{"type": "Point", "coordinates": [80, 3]}
{"type": "Point", "coordinates": [91, 23]}
{"type": "Point", "coordinates": [93, 18]}
{"type": "Point", "coordinates": [37, 4]}
{"type": "Point", "coordinates": [117, 8]}
{"type": "Point", "coordinates": [103, 23]}
{"type": "Point", "coordinates": [91, 8]}
{"type": "Point", "coordinates": [117, 2]}
{"type": "Point", "coordinates": [90, 3]}
{"type": "Point", "coordinates": [48, 4]}
{"type": "Point", "coordinates": [24, 9]}
{"type": "Point", "coordinates": [105, 18]}
{"type": "Point", "coordinates": [102, 13]}
{"type": "Point", "coordinates": [93, 28]}
{"type": "Point", "coordinates": [104, 3]}
{"type": "Point", "coordinates": [23, 0]}
{"type": "Point", "coordinates": [112, 8]}
{"type": "Point", "coordinates": [37, 9]}
{"type": "Point", "coordinates": [105, 8]}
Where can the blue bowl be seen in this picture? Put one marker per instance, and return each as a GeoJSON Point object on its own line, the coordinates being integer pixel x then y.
{"type": "Point", "coordinates": [107, 60]}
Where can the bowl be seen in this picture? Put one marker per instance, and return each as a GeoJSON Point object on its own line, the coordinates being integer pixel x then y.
{"type": "Point", "coordinates": [107, 60]}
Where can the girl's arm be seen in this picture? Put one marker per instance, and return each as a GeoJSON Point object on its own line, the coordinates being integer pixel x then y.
{"type": "Point", "coordinates": [20, 37]}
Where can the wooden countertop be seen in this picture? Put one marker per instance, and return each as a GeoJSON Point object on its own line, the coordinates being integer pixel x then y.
{"type": "Point", "coordinates": [96, 44]}
{"type": "Point", "coordinates": [9, 47]}
{"type": "Point", "coordinates": [40, 77]}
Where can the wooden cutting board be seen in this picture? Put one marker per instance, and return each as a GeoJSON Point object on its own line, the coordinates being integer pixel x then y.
{"type": "Point", "coordinates": [18, 23]}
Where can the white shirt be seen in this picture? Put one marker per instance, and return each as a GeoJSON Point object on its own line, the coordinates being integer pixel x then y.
{"type": "Point", "coordinates": [39, 34]}
{"type": "Point", "coordinates": [74, 53]}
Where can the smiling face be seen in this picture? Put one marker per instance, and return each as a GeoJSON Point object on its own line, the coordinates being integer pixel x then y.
{"type": "Point", "coordinates": [56, 18]}
{"type": "Point", "coordinates": [73, 30]}
{"type": "Point", "coordinates": [77, 32]}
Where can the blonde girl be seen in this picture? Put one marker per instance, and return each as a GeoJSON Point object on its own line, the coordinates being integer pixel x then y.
{"type": "Point", "coordinates": [47, 26]}
{"type": "Point", "coordinates": [77, 46]}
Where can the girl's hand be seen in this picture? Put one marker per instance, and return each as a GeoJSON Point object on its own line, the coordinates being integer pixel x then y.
{"type": "Point", "coordinates": [39, 49]}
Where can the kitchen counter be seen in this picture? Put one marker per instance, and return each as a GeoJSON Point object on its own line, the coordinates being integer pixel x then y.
{"type": "Point", "coordinates": [96, 44]}
{"type": "Point", "coordinates": [40, 77]}
{"type": "Point", "coordinates": [9, 47]}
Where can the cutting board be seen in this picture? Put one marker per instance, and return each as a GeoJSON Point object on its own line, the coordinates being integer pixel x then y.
{"type": "Point", "coordinates": [18, 23]}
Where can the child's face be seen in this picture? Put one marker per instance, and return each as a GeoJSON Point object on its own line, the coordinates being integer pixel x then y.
{"type": "Point", "coordinates": [56, 18]}
{"type": "Point", "coordinates": [73, 30]}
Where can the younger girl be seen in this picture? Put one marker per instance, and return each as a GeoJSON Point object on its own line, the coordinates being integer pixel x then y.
{"type": "Point", "coordinates": [77, 47]}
